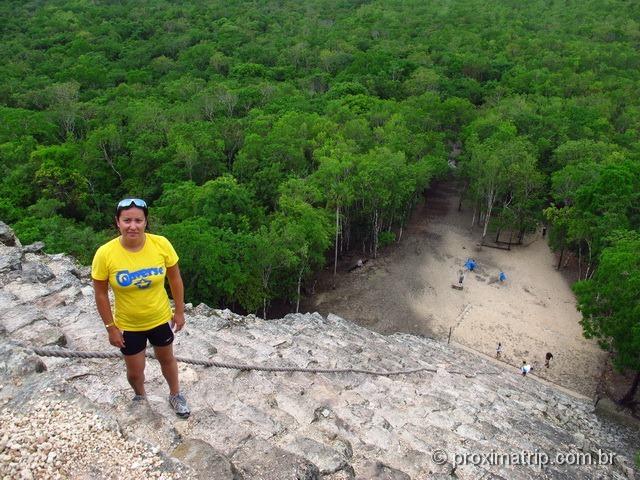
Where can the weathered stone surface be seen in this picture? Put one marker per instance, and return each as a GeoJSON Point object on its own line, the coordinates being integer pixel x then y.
{"type": "Point", "coordinates": [7, 236]}
{"type": "Point", "coordinates": [380, 471]}
{"type": "Point", "coordinates": [7, 300]}
{"type": "Point", "coordinates": [202, 309]}
{"type": "Point", "coordinates": [35, 247]}
{"type": "Point", "coordinates": [257, 459]}
{"type": "Point", "coordinates": [17, 362]}
{"type": "Point", "coordinates": [292, 424]}
{"type": "Point", "coordinates": [81, 272]}
{"type": "Point", "coordinates": [205, 460]}
{"type": "Point", "coordinates": [325, 458]}
{"type": "Point", "coordinates": [34, 272]}
{"type": "Point", "coordinates": [40, 333]}
{"type": "Point", "coordinates": [50, 337]}
{"type": "Point", "coordinates": [26, 292]}
{"type": "Point", "coordinates": [17, 317]}
{"type": "Point", "coordinates": [64, 296]}
{"type": "Point", "coordinates": [9, 260]}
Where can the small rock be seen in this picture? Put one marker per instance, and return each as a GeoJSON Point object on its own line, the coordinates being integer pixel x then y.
{"type": "Point", "coordinates": [203, 458]}
{"type": "Point", "coordinates": [33, 247]}
{"type": "Point", "coordinates": [7, 236]}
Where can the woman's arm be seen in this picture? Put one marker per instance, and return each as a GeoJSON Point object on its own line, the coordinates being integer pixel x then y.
{"type": "Point", "coordinates": [177, 292]}
{"type": "Point", "coordinates": [101, 291]}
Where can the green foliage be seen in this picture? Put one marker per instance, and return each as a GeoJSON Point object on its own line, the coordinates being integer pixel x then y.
{"type": "Point", "coordinates": [221, 202]}
{"type": "Point", "coordinates": [210, 259]}
{"type": "Point", "coordinates": [610, 301]}
{"type": "Point", "coordinates": [596, 198]}
{"type": "Point", "coordinates": [502, 174]}
{"type": "Point", "coordinates": [60, 235]}
{"type": "Point", "coordinates": [245, 119]}
{"type": "Point", "coordinates": [386, 238]}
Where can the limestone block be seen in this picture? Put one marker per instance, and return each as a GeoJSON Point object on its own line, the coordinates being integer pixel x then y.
{"type": "Point", "coordinates": [18, 363]}
{"type": "Point", "coordinates": [35, 247]}
{"type": "Point", "coordinates": [40, 333]}
{"type": "Point", "coordinates": [380, 471]}
{"type": "Point", "coordinates": [258, 459]}
{"type": "Point", "coordinates": [7, 300]}
{"type": "Point", "coordinates": [218, 429]}
{"type": "Point", "coordinates": [17, 317]}
{"type": "Point", "coordinates": [7, 236]}
{"type": "Point", "coordinates": [81, 272]}
{"type": "Point", "coordinates": [325, 458]}
{"type": "Point", "coordinates": [205, 460]}
{"type": "Point", "coordinates": [467, 431]}
{"type": "Point", "coordinates": [26, 292]}
{"type": "Point", "coordinates": [66, 296]}
{"type": "Point", "coordinates": [36, 272]}
{"type": "Point", "coordinates": [9, 259]}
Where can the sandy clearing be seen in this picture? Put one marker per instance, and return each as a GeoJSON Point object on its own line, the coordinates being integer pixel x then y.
{"type": "Point", "coordinates": [408, 289]}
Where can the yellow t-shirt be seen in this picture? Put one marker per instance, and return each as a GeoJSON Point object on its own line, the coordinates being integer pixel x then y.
{"type": "Point", "coordinates": [137, 280]}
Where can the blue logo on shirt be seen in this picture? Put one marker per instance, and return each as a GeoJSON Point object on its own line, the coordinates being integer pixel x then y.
{"type": "Point", "coordinates": [137, 278]}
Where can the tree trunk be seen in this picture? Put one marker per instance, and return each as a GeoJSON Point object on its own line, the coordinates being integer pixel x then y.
{"type": "Point", "coordinates": [299, 284]}
{"type": "Point", "coordinates": [491, 198]}
{"type": "Point", "coordinates": [265, 283]}
{"type": "Point", "coordinates": [110, 162]}
{"type": "Point", "coordinates": [375, 234]}
{"type": "Point", "coordinates": [630, 395]}
{"type": "Point", "coordinates": [560, 259]}
{"type": "Point", "coordinates": [335, 257]}
{"type": "Point", "coordinates": [580, 261]}
{"type": "Point", "coordinates": [587, 272]}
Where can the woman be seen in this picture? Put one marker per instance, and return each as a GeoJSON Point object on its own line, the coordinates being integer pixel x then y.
{"type": "Point", "coordinates": [135, 265]}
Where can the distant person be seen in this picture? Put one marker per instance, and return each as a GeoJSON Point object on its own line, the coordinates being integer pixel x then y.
{"type": "Point", "coordinates": [460, 277]}
{"type": "Point", "coordinates": [547, 359]}
{"type": "Point", "coordinates": [526, 368]}
{"type": "Point", "coordinates": [499, 350]}
{"type": "Point", "coordinates": [135, 265]}
{"type": "Point", "coordinates": [502, 277]}
{"type": "Point", "coordinates": [358, 264]}
{"type": "Point", "coordinates": [470, 264]}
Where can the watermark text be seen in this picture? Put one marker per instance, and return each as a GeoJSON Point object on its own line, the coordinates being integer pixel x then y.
{"type": "Point", "coordinates": [535, 458]}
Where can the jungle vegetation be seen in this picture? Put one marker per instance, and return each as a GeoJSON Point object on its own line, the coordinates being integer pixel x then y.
{"type": "Point", "coordinates": [270, 136]}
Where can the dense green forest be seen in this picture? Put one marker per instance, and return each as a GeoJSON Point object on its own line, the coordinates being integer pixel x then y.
{"type": "Point", "coordinates": [270, 136]}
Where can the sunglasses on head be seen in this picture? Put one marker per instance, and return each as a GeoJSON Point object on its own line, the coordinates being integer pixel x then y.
{"type": "Point", "coordinates": [127, 202]}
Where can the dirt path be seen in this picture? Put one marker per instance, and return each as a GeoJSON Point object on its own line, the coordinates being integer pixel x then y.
{"type": "Point", "coordinates": [408, 289]}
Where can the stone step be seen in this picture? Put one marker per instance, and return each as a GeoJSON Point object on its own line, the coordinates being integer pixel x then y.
{"type": "Point", "coordinates": [335, 426]}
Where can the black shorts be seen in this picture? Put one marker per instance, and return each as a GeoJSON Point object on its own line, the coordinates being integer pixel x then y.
{"type": "Point", "coordinates": [135, 342]}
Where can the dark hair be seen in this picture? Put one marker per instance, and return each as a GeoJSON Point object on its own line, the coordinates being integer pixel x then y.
{"type": "Point", "coordinates": [145, 210]}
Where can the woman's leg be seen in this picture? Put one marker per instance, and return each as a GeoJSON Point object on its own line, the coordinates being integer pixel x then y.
{"type": "Point", "coordinates": [135, 371]}
{"type": "Point", "coordinates": [169, 367]}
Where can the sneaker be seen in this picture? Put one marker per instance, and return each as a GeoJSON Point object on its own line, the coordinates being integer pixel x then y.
{"type": "Point", "coordinates": [179, 405]}
{"type": "Point", "coordinates": [139, 398]}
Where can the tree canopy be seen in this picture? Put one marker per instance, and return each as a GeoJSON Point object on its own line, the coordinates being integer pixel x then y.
{"type": "Point", "coordinates": [268, 137]}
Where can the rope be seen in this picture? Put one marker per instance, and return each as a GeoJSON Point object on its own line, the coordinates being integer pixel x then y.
{"type": "Point", "coordinates": [64, 353]}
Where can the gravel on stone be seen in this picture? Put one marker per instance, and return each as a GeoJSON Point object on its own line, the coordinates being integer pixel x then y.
{"type": "Point", "coordinates": [53, 439]}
